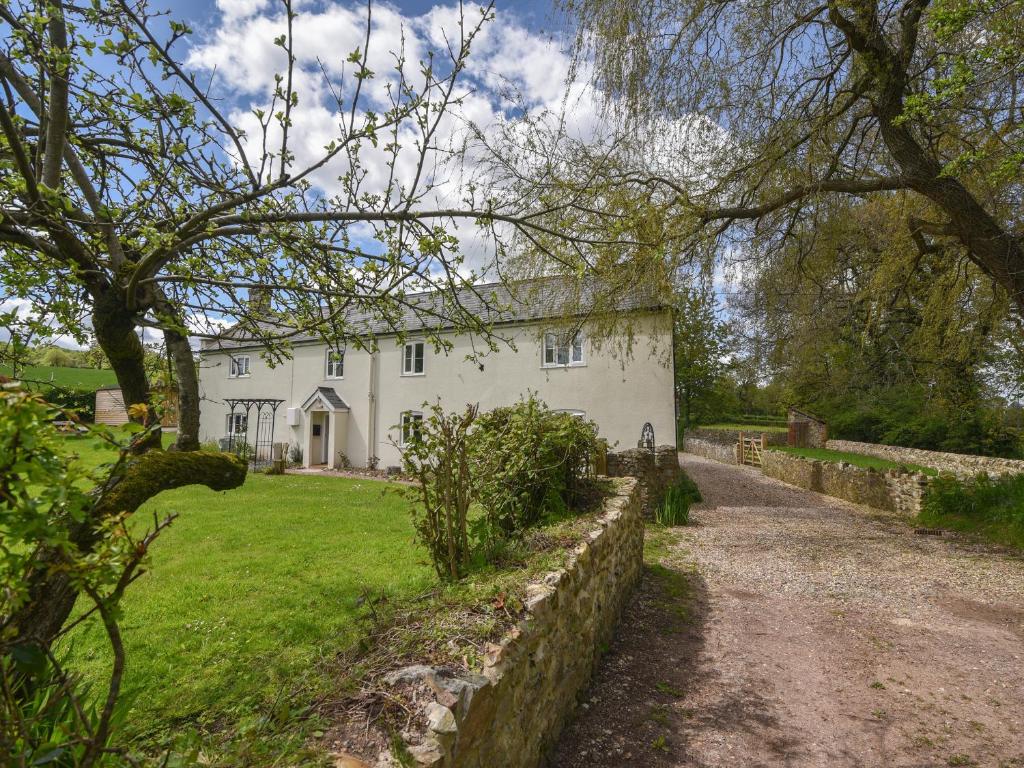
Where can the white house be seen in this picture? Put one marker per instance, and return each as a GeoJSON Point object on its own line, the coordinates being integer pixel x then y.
{"type": "Point", "coordinates": [358, 406]}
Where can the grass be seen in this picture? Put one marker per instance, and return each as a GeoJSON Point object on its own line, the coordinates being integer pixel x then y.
{"type": "Point", "coordinates": [856, 459]}
{"type": "Point", "coordinates": [83, 379]}
{"type": "Point", "coordinates": [263, 601]}
{"type": "Point", "coordinates": [249, 595]}
{"type": "Point", "coordinates": [746, 427]}
{"type": "Point", "coordinates": [990, 508]}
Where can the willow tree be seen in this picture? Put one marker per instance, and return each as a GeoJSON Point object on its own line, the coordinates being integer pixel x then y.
{"type": "Point", "coordinates": [136, 197]}
{"type": "Point", "coordinates": [815, 98]}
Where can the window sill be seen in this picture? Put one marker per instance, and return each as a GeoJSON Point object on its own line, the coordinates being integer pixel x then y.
{"type": "Point", "coordinates": [334, 378]}
{"type": "Point", "coordinates": [241, 376]}
{"type": "Point", "coordinates": [413, 375]}
{"type": "Point", "coordinates": [555, 366]}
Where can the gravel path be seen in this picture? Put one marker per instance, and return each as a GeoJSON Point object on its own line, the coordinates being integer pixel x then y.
{"type": "Point", "coordinates": [789, 628]}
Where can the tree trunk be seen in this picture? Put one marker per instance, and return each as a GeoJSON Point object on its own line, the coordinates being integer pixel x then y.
{"type": "Point", "coordinates": [188, 391]}
{"type": "Point", "coordinates": [115, 332]}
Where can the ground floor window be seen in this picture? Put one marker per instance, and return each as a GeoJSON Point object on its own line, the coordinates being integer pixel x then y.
{"type": "Point", "coordinates": [412, 424]}
{"type": "Point", "coordinates": [237, 424]}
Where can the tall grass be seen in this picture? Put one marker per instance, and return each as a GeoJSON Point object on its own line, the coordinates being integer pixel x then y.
{"type": "Point", "coordinates": [675, 506]}
{"type": "Point", "coordinates": [990, 507]}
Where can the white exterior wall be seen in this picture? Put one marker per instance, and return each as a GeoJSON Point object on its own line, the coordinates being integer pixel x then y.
{"type": "Point", "coordinates": [618, 391]}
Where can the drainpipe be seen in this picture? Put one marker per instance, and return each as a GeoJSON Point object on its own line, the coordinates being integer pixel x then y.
{"type": "Point", "coordinates": [371, 426]}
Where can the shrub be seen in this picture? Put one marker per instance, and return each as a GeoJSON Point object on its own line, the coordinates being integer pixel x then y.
{"type": "Point", "coordinates": [992, 506]}
{"type": "Point", "coordinates": [81, 402]}
{"type": "Point", "coordinates": [530, 462]}
{"type": "Point", "coordinates": [437, 455]}
{"type": "Point", "coordinates": [675, 506]}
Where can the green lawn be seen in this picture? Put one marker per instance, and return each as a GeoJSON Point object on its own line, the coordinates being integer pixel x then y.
{"type": "Point", "coordinates": [249, 592]}
{"type": "Point", "coordinates": [856, 459]}
{"type": "Point", "coordinates": [86, 379]}
{"type": "Point", "coordinates": [745, 427]}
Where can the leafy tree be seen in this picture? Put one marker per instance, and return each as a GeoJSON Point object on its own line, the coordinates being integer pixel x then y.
{"type": "Point", "coordinates": [779, 107]}
{"type": "Point", "coordinates": [702, 347]}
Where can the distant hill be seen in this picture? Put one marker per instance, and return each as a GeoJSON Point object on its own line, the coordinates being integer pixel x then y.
{"type": "Point", "coordinates": [78, 379]}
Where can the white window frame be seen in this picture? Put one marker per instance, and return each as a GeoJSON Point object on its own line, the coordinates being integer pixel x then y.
{"type": "Point", "coordinates": [328, 374]}
{"type": "Point", "coordinates": [237, 420]}
{"type": "Point", "coordinates": [411, 359]}
{"type": "Point", "coordinates": [235, 367]}
{"type": "Point", "coordinates": [555, 343]}
{"type": "Point", "coordinates": [408, 418]}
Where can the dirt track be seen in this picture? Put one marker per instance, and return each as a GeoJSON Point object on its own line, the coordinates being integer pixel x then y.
{"type": "Point", "coordinates": [789, 628]}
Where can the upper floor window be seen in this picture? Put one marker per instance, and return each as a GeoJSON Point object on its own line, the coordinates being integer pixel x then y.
{"type": "Point", "coordinates": [239, 366]}
{"type": "Point", "coordinates": [412, 359]}
{"type": "Point", "coordinates": [563, 350]}
{"type": "Point", "coordinates": [335, 364]}
{"type": "Point", "coordinates": [412, 425]}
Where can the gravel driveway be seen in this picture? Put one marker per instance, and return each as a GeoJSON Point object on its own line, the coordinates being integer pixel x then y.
{"type": "Point", "coordinates": [789, 628]}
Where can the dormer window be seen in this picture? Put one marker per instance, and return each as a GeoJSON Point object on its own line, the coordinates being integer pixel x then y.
{"type": "Point", "coordinates": [335, 364]}
{"type": "Point", "coordinates": [239, 366]}
{"type": "Point", "coordinates": [562, 351]}
{"type": "Point", "coordinates": [412, 359]}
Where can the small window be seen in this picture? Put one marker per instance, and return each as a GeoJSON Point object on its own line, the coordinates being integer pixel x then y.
{"type": "Point", "coordinates": [560, 350]}
{"type": "Point", "coordinates": [412, 424]}
{"type": "Point", "coordinates": [237, 424]}
{"type": "Point", "coordinates": [335, 364]}
{"type": "Point", "coordinates": [412, 359]}
{"type": "Point", "coordinates": [239, 366]}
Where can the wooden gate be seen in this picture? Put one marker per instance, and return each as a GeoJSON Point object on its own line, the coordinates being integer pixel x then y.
{"type": "Point", "coordinates": [750, 449]}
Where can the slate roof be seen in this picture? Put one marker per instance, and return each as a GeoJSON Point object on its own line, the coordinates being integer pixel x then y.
{"type": "Point", "coordinates": [494, 303]}
{"type": "Point", "coordinates": [329, 396]}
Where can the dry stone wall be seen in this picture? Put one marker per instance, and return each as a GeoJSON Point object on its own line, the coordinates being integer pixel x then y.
{"type": "Point", "coordinates": [732, 436]}
{"type": "Point", "coordinates": [960, 464]}
{"type": "Point", "coordinates": [709, 449]}
{"type": "Point", "coordinates": [895, 490]}
{"type": "Point", "coordinates": [511, 714]}
{"type": "Point", "coordinates": [655, 472]}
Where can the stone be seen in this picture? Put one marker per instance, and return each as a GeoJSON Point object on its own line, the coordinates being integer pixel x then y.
{"type": "Point", "coordinates": [411, 674]}
{"type": "Point", "coordinates": [427, 755]}
{"type": "Point", "coordinates": [440, 719]}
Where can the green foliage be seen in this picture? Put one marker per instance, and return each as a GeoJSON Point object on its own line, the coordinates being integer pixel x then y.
{"type": "Point", "coordinates": [906, 416]}
{"type": "Point", "coordinates": [990, 506]}
{"type": "Point", "coordinates": [675, 506]}
{"type": "Point", "coordinates": [438, 456]}
{"type": "Point", "coordinates": [702, 344]}
{"type": "Point", "coordinates": [46, 499]}
{"type": "Point", "coordinates": [529, 462]}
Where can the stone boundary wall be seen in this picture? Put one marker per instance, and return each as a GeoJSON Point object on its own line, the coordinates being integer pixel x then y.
{"type": "Point", "coordinates": [732, 436]}
{"type": "Point", "coordinates": [655, 472]}
{"type": "Point", "coordinates": [709, 449]}
{"type": "Point", "coordinates": [895, 490]}
{"type": "Point", "coordinates": [511, 714]}
{"type": "Point", "coordinates": [960, 464]}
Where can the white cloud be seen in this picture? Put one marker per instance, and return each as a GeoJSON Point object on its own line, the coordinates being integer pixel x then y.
{"type": "Point", "coordinates": [506, 57]}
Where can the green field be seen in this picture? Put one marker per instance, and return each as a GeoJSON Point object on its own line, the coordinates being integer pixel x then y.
{"type": "Point", "coordinates": [856, 459]}
{"type": "Point", "coordinates": [86, 379]}
{"type": "Point", "coordinates": [249, 594]}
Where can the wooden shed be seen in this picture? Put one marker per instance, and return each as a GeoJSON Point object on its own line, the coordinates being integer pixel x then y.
{"type": "Point", "coordinates": [111, 409]}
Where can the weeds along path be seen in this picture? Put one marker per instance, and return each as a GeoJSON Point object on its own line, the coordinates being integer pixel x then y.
{"type": "Point", "coordinates": [787, 628]}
